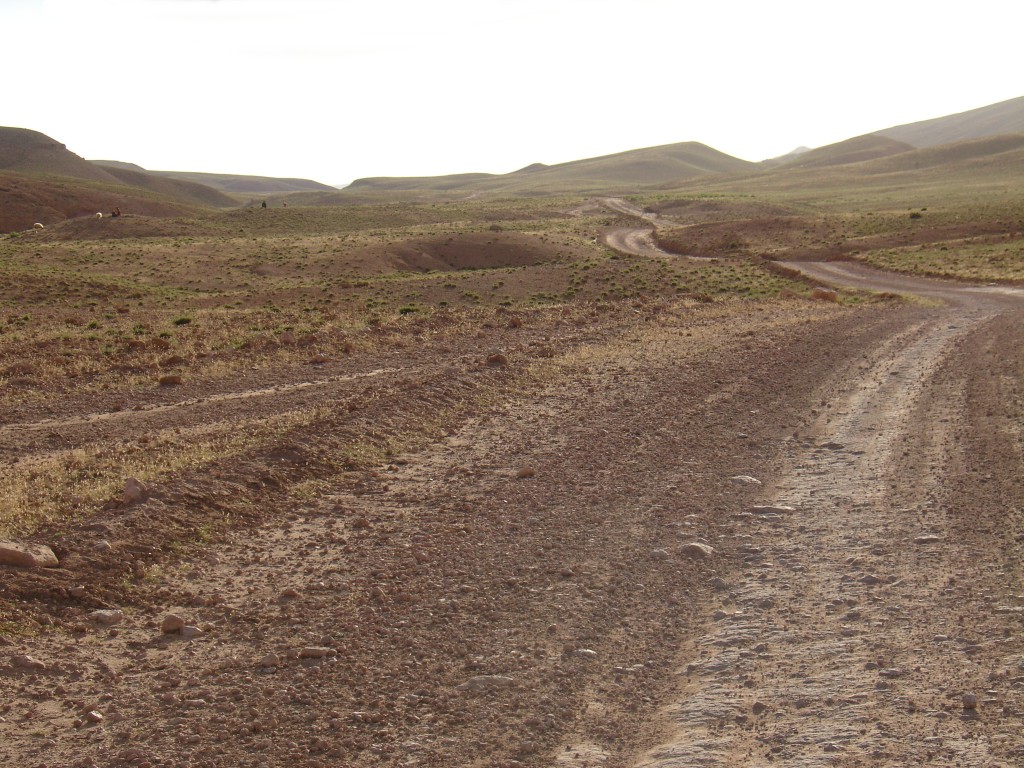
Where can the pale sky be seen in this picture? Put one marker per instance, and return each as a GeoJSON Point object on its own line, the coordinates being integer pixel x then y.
{"type": "Point", "coordinates": [334, 90]}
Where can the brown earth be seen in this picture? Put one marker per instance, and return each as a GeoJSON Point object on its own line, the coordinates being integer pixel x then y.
{"type": "Point", "coordinates": [814, 238]}
{"type": "Point", "coordinates": [477, 550]}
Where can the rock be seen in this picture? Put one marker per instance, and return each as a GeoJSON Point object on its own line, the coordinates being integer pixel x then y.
{"type": "Point", "coordinates": [288, 594]}
{"type": "Point", "coordinates": [496, 358]}
{"type": "Point", "coordinates": [586, 653]}
{"type": "Point", "coordinates": [27, 555]}
{"type": "Point", "coordinates": [172, 623]}
{"type": "Point", "coordinates": [93, 717]}
{"type": "Point", "coordinates": [316, 652]}
{"type": "Point", "coordinates": [288, 338]}
{"type": "Point", "coordinates": [485, 682]}
{"type": "Point", "coordinates": [524, 472]}
{"type": "Point", "coordinates": [171, 380]}
{"type": "Point", "coordinates": [824, 294]}
{"type": "Point", "coordinates": [927, 538]}
{"type": "Point", "coordinates": [658, 554]}
{"type": "Point", "coordinates": [696, 549]}
{"type": "Point", "coordinates": [771, 509]}
{"type": "Point", "coordinates": [970, 701]}
{"type": "Point", "coordinates": [870, 580]}
{"type": "Point", "coordinates": [106, 618]}
{"type": "Point", "coordinates": [134, 490]}
{"type": "Point", "coordinates": [27, 662]}
{"type": "Point", "coordinates": [189, 632]}
{"type": "Point", "coordinates": [758, 708]}
{"type": "Point", "coordinates": [744, 480]}
{"type": "Point", "coordinates": [103, 546]}
{"type": "Point", "coordinates": [270, 660]}
{"type": "Point", "coordinates": [319, 359]}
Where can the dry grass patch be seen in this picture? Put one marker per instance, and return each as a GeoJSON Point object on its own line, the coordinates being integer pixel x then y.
{"type": "Point", "coordinates": [69, 486]}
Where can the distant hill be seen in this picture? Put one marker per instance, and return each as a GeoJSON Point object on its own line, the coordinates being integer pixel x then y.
{"type": "Point", "coordinates": [993, 120]}
{"type": "Point", "coordinates": [855, 150]}
{"type": "Point", "coordinates": [231, 184]}
{"type": "Point", "coordinates": [179, 189]}
{"type": "Point", "coordinates": [621, 172]}
{"type": "Point", "coordinates": [993, 162]}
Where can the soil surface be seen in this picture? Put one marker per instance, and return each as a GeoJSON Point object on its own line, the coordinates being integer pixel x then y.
{"type": "Point", "coordinates": [728, 534]}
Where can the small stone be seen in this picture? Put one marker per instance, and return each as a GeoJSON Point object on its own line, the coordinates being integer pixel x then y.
{"type": "Point", "coordinates": [93, 717]}
{"type": "Point", "coordinates": [270, 660]}
{"type": "Point", "coordinates": [758, 708]}
{"type": "Point", "coordinates": [27, 555]}
{"type": "Point", "coordinates": [524, 472]}
{"type": "Point", "coordinates": [497, 359]}
{"type": "Point", "coordinates": [319, 359]}
{"type": "Point", "coordinates": [189, 632]}
{"type": "Point", "coordinates": [485, 682]}
{"type": "Point", "coordinates": [106, 618]}
{"type": "Point", "coordinates": [696, 549]}
{"type": "Point", "coordinates": [744, 480]}
{"type": "Point", "coordinates": [927, 538]}
{"type": "Point", "coordinates": [134, 490]}
{"type": "Point", "coordinates": [772, 509]}
{"type": "Point", "coordinates": [316, 652]}
{"type": "Point", "coordinates": [869, 579]}
{"type": "Point", "coordinates": [970, 701]}
{"type": "Point", "coordinates": [586, 653]}
{"type": "Point", "coordinates": [289, 594]}
{"type": "Point", "coordinates": [659, 554]}
{"type": "Point", "coordinates": [172, 623]}
{"type": "Point", "coordinates": [170, 380]}
{"type": "Point", "coordinates": [27, 662]}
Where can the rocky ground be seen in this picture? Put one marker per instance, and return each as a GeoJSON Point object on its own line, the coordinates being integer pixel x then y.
{"type": "Point", "coordinates": [726, 534]}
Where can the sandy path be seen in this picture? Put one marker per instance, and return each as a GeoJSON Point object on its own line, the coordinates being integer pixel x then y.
{"type": "Point", "coordinates": [852, 632]}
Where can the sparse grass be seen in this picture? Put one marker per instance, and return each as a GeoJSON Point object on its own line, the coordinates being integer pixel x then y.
{"type": "Point", "coordinates": [73, 485]}
{"type": "Point", "coordinates": [998, 261]}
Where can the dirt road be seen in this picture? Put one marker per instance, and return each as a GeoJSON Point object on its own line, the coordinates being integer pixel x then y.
{"type": "Point", "coordinates": [633, 240]}
{"type": "Point", "coordinates": [876, 616]}
{"type": "Point", "coordinates": [727, 534]}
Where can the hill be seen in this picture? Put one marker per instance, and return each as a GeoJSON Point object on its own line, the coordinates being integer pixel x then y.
{"type": "Point", "coordinates": [993, 120]}
{"type": "Point", "coordinates": [618, 173]}
{"type": "Point", "coordinates": [230, 184]}
{"type": "Point", "coordinates": [26, 151]}
{"type": "Point", "coordinates": [179, 189]}
{"type": "Point", "coordinates": [855, 150]}
{"type": "Point", "coordinates": [42, 181]}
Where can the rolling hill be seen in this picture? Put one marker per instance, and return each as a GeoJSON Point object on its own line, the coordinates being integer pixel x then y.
{"type": "Point", "coordinates": [993, 120]}
{"type": "Point", "coordinates": [230, 184]}
{"type": "Point", "coordinates": [620, 172]}
{"type": "Point", "coordinates": [855, 150]}
{"type": "Point", "coordinates": [31, 152]}
{"type": "Point", "coordinates": [42, 181]}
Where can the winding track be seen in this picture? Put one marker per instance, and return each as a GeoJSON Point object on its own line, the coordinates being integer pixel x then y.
{"type": "Point", "coordinates": [841, 639]}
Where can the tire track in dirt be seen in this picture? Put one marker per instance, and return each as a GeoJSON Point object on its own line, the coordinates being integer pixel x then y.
{"type": "Point", "coordinates": [840, 637]}
{"type": "Point", "coordinates": [90, 419]}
